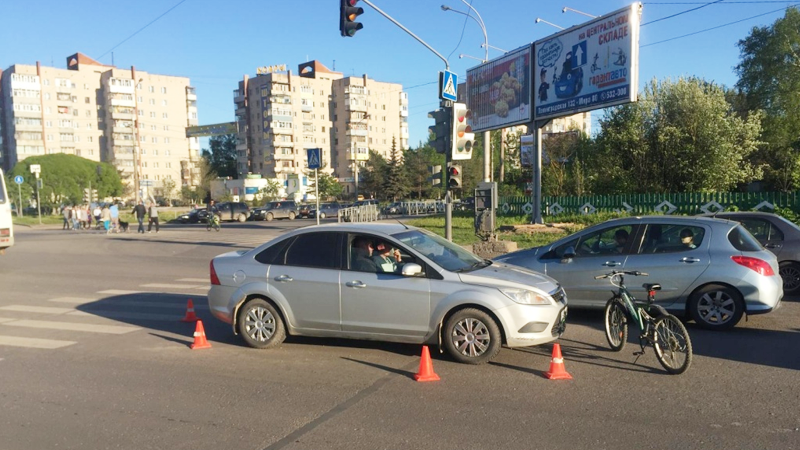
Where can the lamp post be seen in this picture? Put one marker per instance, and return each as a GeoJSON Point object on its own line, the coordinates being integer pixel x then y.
{"type": "Point", "coordinates": [567, 8]}
{"type": "Point", "coordinates": [492, 46]}
{"type": "Point", "coordinates": [136, 159]}
{"type": "Point", "coordinates": [463, 55]}
{"type": "Point", "coordinates": [539, 19]}
{"type": "Point", "coordinates": [354, 149]}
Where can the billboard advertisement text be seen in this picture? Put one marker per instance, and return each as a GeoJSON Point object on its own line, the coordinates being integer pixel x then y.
{"type": "Point", "coordinates": [499, 91]}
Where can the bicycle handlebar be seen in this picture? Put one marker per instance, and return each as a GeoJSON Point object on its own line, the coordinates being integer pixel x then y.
{"type": "Point", "coordinates": [614, 273]}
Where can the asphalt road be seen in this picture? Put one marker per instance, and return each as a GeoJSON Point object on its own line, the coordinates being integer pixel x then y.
{"type": "Point", "coordinates": [93, 356]}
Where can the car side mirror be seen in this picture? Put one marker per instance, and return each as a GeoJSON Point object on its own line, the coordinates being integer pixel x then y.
{"type": "Point", "coordinates": [411, 269]}
{"type": "Point", "coordinates": [569, 253]}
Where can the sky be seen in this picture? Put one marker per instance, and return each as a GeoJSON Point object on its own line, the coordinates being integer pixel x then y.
{"type": "Point", "coordinates": [216, 43]}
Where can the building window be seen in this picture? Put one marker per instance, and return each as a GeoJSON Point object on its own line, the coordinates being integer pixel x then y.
{"type": "Point", "coordinates": [163, 90]}
{"type": "Point", "coordinates": [166, 127]}
{"type": "Point", "coordinates": [166, 140]}
{"type": "Point", "coordinates": [169, 166]}
{"type": "Point", "coordinates": [152, 89]}
{"type": "Point", "coordinates": [75, 112]}
{"type": "Point", "coordinates": [155, 140]}
{"type": "Point", "coordinates": [166, 152]}
{"type": "Point", "coordinates": [89, 139]}
{"type": "Point", "coordinates": [141, 112]}
{"type": "Point", "coordinates": [152, 101]}
{"type": "Point", "coordinates": [164, 115]}
{"type": "Point", "coordinates": [153, 114]}
{"type": "Point", "coordinates": [155, 152]}
{"type": "Point", "coordinates": [163, 103]}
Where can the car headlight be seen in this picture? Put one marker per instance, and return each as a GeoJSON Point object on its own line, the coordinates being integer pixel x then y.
{"type": "Point", "coordinates": [526, 297]}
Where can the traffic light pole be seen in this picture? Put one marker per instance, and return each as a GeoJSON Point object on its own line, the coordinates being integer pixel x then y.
{"type": "Point", "coordinates": [448, 199]}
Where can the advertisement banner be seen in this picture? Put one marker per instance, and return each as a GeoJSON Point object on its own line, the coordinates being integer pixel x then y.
{"type": "Point", "coordinates": [499, 91]}
{"type": "Point", "coordinates": [589, 66]}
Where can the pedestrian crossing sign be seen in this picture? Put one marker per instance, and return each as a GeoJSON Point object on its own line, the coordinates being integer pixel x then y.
{"type": "Point", "coordinates": [448, 86]}
{"type": "Point", "coordinates": [314, 158]}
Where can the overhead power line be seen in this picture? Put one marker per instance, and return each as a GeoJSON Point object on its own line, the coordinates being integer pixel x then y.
{"type": "Point", "coordinates": [682, 12]}
{"type": "Point", "coordinates": [140, 29]}
{"type": "Point", "coordinates": [718, 26]}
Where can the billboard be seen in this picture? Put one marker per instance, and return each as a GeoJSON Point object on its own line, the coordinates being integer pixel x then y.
{"type": "Point", "coordinates": [589, 66]}
{"type": "Point", "coordinates": [499, 91]}
{"type": "Point", "coordinates": [217, 129]}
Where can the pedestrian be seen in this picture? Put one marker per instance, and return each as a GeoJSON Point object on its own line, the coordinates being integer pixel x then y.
{"type": "Point", "coordinates": [153, 213]}
{"type": "Point", "coordinates": [66, 212]}
{"type": "Point", "coordinates": [114, 210]}
{"type": "Point", "coordinates": [96, 212]}
{"type": "Point", "coordinates": [140, 212]}
{"type": "Point", "coordinates": [105, 216]}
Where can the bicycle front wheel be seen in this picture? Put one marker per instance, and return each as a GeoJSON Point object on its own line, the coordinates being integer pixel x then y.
{"type": "Point", "coordinates": [616, 322]}
{"type": "Point", "coordinates": [673, 345]}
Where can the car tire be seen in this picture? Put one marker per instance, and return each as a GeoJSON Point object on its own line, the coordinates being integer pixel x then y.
{"type": "Point", "coordinates": [242, 217]}
{"type": "Point", "coordinates": [321, 215]}
{"type": "Point", "coordinates": [716, 307]}
{"type": "Point", "coordinates": [269, 217]}
{"type": "Point", "coordinates": [291, 215]}
{"type": "Point", "coordinates": [260, 325]}
{"type": "Point", "coordinates": [790, 273]}
{"type": "Point", "coordinates": [471, 336]}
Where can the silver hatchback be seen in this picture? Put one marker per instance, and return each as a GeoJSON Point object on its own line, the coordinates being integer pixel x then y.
{"type": "Point", "coordinates": [710, 270]}
{"type": "Point", "coordinates": [325, 281]}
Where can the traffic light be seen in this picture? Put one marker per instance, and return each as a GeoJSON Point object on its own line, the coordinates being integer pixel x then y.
{"type": "Point", "coordinates": [454, 178]}
{"type": "Point", "coordinates": [436, 175]}
{"type": "Point", "coordinates": [441, 130]}
{"type": "Point", "coordinates": [463, 136]}
{"type": "Point", "coordinates": [94, 195]}
{"type": "Point", "coordinates": [87, 195]}
{"type": "Point", "coordinates": [348, 12]}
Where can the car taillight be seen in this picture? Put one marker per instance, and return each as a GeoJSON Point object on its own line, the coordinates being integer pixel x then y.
{"type": "Point", "coordinates": [759, 265]}
{"type": "Point", "coordinates": [214, 278]}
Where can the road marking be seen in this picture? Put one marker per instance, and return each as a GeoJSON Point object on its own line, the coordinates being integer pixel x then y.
{"type": "Point", "coordinates": [15, 341]}
{"type": "Point", "coordinates": [118, 292]}
{"type": "Point", "coordinates": [75, 300]}
{"type": "Point", "coordinates": [115, 315]}
{"type": "Point", "coordinates": [89, 328]}
{"type": "Point", "coordinates": [141, 305]}
{"type": "Point", "coordinates": [5, 319]}
{"type": "Point", "coordinates": [193, 280]}
{"type": "Point", "coordinates": [173, 286]}
{"type": "Point", "coordinates": [36, 309]}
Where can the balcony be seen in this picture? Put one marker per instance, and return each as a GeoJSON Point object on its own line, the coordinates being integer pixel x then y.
{"type": "Point", "coordinates": [306, 108]}
{"type": "Point", "coordinates": [282, 157]}
{"type": "Point", "coordinates": [123, 130]}
{"type": "Point", "coordinates": [191, 95]}
{"type": "Point", "coordinates": [359, 107]}
{"type": "Point", "coordinates": [123, 102]}
{"type": "Point", "coordinates": [356, 133]}
{"type": "Point", "coordinates": [241, 111]}
{"type": "Point", "coordinates": [122, 115]}
{"type": "Point", "coordinates": [281, 130]}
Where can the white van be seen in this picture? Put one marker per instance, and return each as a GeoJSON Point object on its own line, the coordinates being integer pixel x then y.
{"type": "Point", "coordinates": [6, 227]}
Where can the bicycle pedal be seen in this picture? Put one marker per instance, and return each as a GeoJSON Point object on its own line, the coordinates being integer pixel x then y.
{"type": "Point", "coordinates": [639, 353]}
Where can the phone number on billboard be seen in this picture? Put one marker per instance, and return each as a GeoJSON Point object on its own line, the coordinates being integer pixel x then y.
{"type": "Point", "coordinates": [611, 94]}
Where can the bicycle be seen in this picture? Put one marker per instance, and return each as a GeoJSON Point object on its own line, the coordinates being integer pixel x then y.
{"type": "Point", "coordinates": [212, 222]}
{"type": "Point", "coordinates": [660, 329]}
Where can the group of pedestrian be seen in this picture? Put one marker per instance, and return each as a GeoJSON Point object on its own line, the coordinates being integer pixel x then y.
{"type": "Point", "coordinates": [77, 217]}
{"type": "Point", "coordinates": [151, 213]}
{"type": "Point", "coordinates": [80, 217]}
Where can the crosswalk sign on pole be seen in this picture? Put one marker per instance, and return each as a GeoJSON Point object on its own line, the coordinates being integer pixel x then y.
{"type": "Point", "coordinates": [448, 86]}
{"type": "Point", "coordinates": [314, 158]}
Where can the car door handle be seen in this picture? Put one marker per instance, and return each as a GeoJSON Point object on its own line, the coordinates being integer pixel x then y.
{"type": "Point", "coordinates": [355, 284]}
{"type": "Point", "coordinates": [773, 246]}
{"type": "Point", "coordinates": [284, 278]}
{"type": "Point", "coordinates": [612, 263]}
{"type": "Point", "coordinates": [689, 260]}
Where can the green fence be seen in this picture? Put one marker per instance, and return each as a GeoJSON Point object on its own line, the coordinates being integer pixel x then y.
{"type": "Point", "coordinates": [685, 203]}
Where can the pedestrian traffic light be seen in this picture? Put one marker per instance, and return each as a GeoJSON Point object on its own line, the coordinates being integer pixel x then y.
{"type": "Point", "coordinates": [454, 176]}
{"type": "Point", "coordinates": [463, 136]}
{"type": "Point", "coordinates": [348, 12]}
{"type": "Point", "coordinates": [441, 130]}
{"type": "Point", "coordinates": [87, 195]}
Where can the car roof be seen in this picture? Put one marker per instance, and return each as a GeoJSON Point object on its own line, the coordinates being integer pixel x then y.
{"type": "Point", "coordinates": [661, 218]}
{"type": "Point", "coordinates": [740, 213]}
{"type": "Point", "coordinates": [361, 227]}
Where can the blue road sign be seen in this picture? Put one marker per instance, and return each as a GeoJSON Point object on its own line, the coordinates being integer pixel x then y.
{"type": "Point", "coordinates": [449, 86]}
{"type": "Point", "coordinates": [579, 54]}
{"type": "Point", "coordinates": [314, 158]}
{"type": "Point", "coordinates": [18, 179]}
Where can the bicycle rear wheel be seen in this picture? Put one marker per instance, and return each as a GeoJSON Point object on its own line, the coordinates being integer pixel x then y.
{"type": "Point", "coordinates": [673, 345]}
{"type": "Point", "coordinates": [616, 322]}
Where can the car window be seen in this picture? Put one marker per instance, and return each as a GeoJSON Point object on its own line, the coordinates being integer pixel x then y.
{"type": "Point", "coordinates": [607, 241]}
{"type": "Point", "coordinates": [742, 240]}
{"type": "Point", "coordinates": [441, 251]}
{"type": "Point", "coordinates": [314, 250]}
{"type": "Point", "coordinates": [670, 238]}
{"type": "Point", "coordinates": [274, 254]}
{"type": "Point", "coordinates": [762, 229]}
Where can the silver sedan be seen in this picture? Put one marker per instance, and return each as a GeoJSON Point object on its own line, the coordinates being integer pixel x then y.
{"type": "Point", "coordinates": [330, 281]}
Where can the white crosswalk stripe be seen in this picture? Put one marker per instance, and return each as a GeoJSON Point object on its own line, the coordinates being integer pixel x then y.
{"type": "Point", "coordinates": [15, 341]}
{"type": "Point", "coordinates": [67, 326]}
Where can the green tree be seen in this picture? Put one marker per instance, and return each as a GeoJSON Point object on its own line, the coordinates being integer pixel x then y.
{"type": "Point", "coordinates": [167, 186]}
{"type": "Point", "coordinates": [371, 176]}
{"type": "Point", "coordinates": [221, 156]}
{"type": "Point", "coordinates": [769, 79]}
{"type": "Point", "coordinates": [680, 136]}
{"type": "Point", "coordinates": [395, 185]}
{"type": "Point", "coordinates": [272, 191]}
{"type": "Point", "coordinates": [329, 187]}
{"type": "Point", "coordinates": [417, 163]}
{"type": "Point", "coordinates": [64, 177]}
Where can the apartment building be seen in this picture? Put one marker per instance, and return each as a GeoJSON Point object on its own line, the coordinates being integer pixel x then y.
{"type": "Point", "coordinates": [281, 114]}
{"type": "Point", "coordinates": [100, 113]}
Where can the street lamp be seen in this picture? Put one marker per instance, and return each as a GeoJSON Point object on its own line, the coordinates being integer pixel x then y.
{"type": "Point", "coordinates": [462, 56]}
{"type": "Point", "coordinates": [136, 160]}
{"type": "Point", "coordinates": [479, 20]}
{"type": "Point", "coordinates": [496, 48]}
{"type": "Point", "coordinates": [538, 19]}
{"type": "Point", "coordinates": [567, 8]}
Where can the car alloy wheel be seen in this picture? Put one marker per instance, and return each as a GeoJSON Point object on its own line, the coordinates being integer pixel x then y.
{"type": "Point", "coordinates": [260, 325]}
{"type": "Point", "coordinates": [716, 307]}
{"type": "Point", "coordinates": [321, 215]}
{"type": "Point", "coordinates": [472, 336]}
{"type": "Point", "coordinates": [269, 217]}
{"type": "Point", "coordinates": [790, 273]}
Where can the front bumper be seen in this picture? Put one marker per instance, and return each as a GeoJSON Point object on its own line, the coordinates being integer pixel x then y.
{"type": "Point", "coordinates": [528, 325]}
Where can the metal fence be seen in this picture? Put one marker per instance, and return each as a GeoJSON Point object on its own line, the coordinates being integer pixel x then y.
{"type": "Point", "coordinates": [688, 203]}
{"type": "Point", "coordinates": [363, 213]}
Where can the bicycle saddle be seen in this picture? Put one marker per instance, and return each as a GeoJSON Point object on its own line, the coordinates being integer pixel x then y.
{"type": "Point", "coordinates": [651, 286]}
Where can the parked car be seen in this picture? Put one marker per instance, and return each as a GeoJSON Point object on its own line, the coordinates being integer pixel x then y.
{"type": "Point", "coordinates": [778, 235]}
{"type": "Point", "coordinates": [392, 208]}
{"type": "Point", "coordinates": [306, 283]}
{"type": "Point", "coordinates": [303, 210]}
{"type": "Point", "coordinates": [194, 216]}
{"type": "Point", "coordinates": [722, 273]}
{"type": "Point", "coordinates": [283, 209]}
{"type": "Point", "coordinates": [233, 211]}
{"type": "Point", "coordinates": [325, 210]}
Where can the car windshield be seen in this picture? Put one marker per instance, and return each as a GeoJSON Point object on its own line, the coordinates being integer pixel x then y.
{"type": "Point", "coordinates": [441, 251]}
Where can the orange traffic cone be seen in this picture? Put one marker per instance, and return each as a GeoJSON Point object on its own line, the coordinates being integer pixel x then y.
{"type": "Point", "coordinates": [426, 372]}
{"type": "Point", "coordinates": [557, 370]}
{"type": "Point", "coordinates": [190, 317]}
{"type": "Point", "coordinates": [200, 337]}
